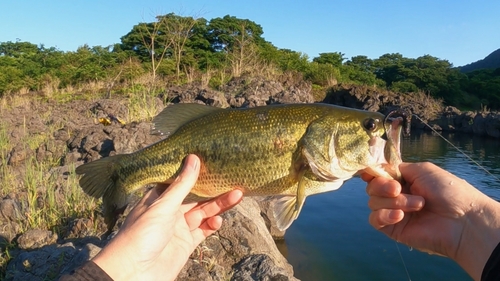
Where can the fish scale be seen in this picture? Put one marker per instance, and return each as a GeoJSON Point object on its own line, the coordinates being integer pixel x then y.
{"type": "Point", "coordinates": [291, 151]}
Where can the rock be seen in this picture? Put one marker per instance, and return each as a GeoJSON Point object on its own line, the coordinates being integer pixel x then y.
{"type": "Point", "coordinates": [10, 210]}
{"type": "Point", "coordinates": [195, 93]}
{"type": "Point", "coordinates": [70, 157]}
{"type": "Point", "coordinates": [492, 127]}
{"type": "Point", "coordinates": [8, 231]}
{"type": "Point", "coordinates": [79, 257]}
{"type": "Point", "coordinates": [479, 124]}
{"type": "Point", "coordinates": [80, 228]}
{"type": "Point", "coordinates": [465, 122]}
{"type": "Point", "coordinates": [19, 154]}
{"type": "Point", "coordinates": [267, 207]}
{"type": "Point", "coordinates": [132, 137]}
{"type": "Point", "coordinates": [49, 262]}
{"type": "Point", "coordinates": [245, 92]}
{"type": "Point", "coordinates": [259, 267]}
{"type": "Point", "coordinates": [39, 265]}
{"type": "Point", "coordinates": [242, 234]}
{"type": "Point", "coordinates": [36, 238]}
{"type": "Point", "coordinates": [194, 271]}
{"type": "Point", "coordinates": [258, 91]}
{"type": "Point", "coordinates": [62, 135]}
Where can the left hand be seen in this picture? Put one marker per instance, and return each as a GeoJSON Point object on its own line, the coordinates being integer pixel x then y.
{"type": "Point", "coordinates": [160, 233]}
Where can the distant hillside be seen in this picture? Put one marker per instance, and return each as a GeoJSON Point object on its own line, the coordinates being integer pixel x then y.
{"type": "Point", "coordinates": [491, 61]}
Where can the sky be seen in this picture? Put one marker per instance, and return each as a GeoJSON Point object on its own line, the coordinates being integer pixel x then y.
{"type": "Point", "coordinates": [460, 31]}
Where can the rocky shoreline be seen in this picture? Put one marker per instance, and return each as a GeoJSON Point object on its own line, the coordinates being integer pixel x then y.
{"type": "Point", "coordinates": [244, 248]}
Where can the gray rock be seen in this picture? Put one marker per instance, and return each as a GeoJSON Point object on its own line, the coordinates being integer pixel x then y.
{"type": "Point", "coordinates": [194, 271]}
{"type": "Point", "coordinates": [242, 234]}
{"type": "Point", "coordinates": [19, 154]}
{"type": "Point", "coordinates": [8, 231]}
{"type": "Point", "coordinates": [493, 125]}
{"type": "Point", "coordinates": [10, 210]}
{"type": "Point", "coordinates": [267, 213]}
{"type": "Point", "coordinates": [259, 267]}
{"type": "Point", "coordinates": [79, 256]}
{"type": "Point", "coordinates": [42, 264]}
{"type": "Point", "coordinates": [36, 238]}
{"type": "Point", "coordinates": [49, 262]}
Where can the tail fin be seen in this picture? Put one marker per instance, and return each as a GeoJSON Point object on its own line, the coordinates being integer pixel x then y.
{"type": "Point", "coordinates": [100, 180]}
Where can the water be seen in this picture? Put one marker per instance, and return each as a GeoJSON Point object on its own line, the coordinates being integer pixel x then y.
{"type": "Point", "coordinates": [332, 239]}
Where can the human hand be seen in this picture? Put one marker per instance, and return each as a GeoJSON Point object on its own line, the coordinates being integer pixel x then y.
{"type": "Point", "coordinates": [436, 212]}
{"type": "Point", "coordinates": [160, 233]}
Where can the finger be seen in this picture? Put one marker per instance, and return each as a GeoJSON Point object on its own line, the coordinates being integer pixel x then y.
{"type": "Point", "coordinates": [385, 217]}
{"type": "Point", "coordinates": [404, 202]}
{"type": "Point", "coordinates": [196, 216]}
{"type": "Point", "coordinates": [182, 185]}
{"type": "Point", "coordinates": [366, 177]}
{"type": "Point", "coordinates": [383, 187]}
{"type": "Point", "coordinates": [412, 171]}
{"type": "Point", "coordinates": [230, 199]}
{"type": "Point", "coordinates": [209, 227]}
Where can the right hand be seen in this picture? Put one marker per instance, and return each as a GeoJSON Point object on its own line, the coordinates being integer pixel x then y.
{"type": "Point", "coordinates": [436, 212]}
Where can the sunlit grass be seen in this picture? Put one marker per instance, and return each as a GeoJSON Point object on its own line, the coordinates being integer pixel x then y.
{"type": "Point", "coordinates": [50, 203]}
{"type": "Point", "coordinates": [6, 174]}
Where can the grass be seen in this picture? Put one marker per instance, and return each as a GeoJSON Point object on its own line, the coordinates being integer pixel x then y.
{"type": "Point", "coordinates": [48, 199]}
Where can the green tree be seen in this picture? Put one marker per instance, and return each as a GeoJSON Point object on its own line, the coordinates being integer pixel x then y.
{"type": "Point", "coordinates": [238, 38]}
{"type": "Point", "coordinates": [289, 60]}
{"type": "Point", "coordinates": [336, 59]}
{"type": "Point", "coordinates": [361, 70]}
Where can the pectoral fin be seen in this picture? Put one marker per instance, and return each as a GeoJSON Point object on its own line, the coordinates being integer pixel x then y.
{"type": "Point", "coordinates": [287, 208]}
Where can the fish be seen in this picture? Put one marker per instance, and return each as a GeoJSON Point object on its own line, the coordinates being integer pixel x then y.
{"type": "Point", "coordinates": [289, 151]}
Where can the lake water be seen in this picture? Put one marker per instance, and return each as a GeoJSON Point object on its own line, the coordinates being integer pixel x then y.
{"type": "Point", "coordinates": [332, 239]}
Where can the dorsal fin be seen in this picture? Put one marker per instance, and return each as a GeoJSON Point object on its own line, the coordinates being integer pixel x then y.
{"type": "Point", "coordinates": [176, 115]}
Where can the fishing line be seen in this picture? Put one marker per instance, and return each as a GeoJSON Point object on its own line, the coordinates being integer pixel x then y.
{"type": "Point", "coordinates": [458, 149]}
{"type": "Point", "coordinates": [402, 260]}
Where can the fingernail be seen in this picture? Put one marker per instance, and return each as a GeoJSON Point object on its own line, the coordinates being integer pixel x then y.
{"type": "Point", "coordinates": [414, 202]}
{"type": "Point", "coordinates": [196, 163]}
{"type": "Point", "coordinates": [394, 214]}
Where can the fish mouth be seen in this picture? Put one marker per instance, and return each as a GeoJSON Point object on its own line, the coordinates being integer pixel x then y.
{"type": "Point", "coordinates": [387, 149]}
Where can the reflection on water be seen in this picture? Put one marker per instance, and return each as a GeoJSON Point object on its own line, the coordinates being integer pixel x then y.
{"type": "Point", "coordinates": [332, 240]}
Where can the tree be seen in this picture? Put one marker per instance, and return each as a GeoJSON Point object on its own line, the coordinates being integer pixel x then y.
{"type": "Point", "coordinates": [361, 70]}
{"type": "Point", "coordinates": [289, 60]}
{"type": "Point", "coordinates": [387, 68]}
{"type": "Point", "coordinates": [238, 39]}
{"type": "Point", "coordinates": [178, 30]}
{"type": "Point", "coordinates": [336, 59]}
{"type": "Point", "coordinates": [149, 40]}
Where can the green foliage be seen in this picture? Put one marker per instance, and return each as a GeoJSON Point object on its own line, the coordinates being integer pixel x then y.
{"type": "Point", "coordinates": [213, 51]}
{"type": "Point", "coordinates": [485, 85]}
{"type": "Point", "coordinates": [324, 74]}
{"type": "Point", "coordinates": [336, 59]}
{"type": "Point", "coordinates": [288, 60]}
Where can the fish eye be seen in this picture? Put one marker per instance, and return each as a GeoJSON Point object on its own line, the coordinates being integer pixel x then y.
{"type": "Point", "coordinates": [370, 124]}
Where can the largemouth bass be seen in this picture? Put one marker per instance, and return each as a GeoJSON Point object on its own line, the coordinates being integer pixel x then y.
{"type": "Point", "coordinates": [292, 151]}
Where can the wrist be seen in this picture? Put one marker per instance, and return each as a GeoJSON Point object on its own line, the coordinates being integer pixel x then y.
{"type": "Point", "coordinates": [480, 236]}
{"type": "Point", "coordinates": [114, 262]}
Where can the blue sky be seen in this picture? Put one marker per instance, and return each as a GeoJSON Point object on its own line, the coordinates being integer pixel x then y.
{"type": "Point", "coordinates": [460, 31]}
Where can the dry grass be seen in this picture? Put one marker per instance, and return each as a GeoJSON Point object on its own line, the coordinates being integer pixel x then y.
{"type": "Point", "coordinates": [422, 104]}
{"type": "Point", "coordinates": [47, 199]}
